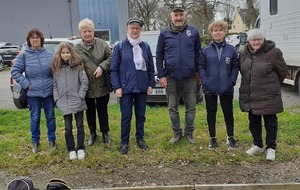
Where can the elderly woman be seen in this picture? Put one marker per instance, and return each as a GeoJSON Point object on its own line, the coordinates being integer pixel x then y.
{"type": "Point", "coordinates": [96, 56]}
{"type": "Point", "coordinates": [218, 71]}
{"type": "Point", "coordinates": [132, 73]}
{"type": "Point", "coordinates": [35, 61]}
{"type": "Point", "coordinates": [263, 70]}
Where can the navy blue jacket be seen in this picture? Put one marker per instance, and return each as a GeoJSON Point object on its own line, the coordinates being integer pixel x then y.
{"type": "Point", "coordinates": [123, 72]}
{"type": "Point", "coordinates": [218, 74]}
{"type": "Point", "coordinates": [38, 71]}
{"type": "Point", "coordinates": [177, 54]}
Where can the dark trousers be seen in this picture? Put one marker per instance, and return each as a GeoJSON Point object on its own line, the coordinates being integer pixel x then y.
{"type": "Point", "coordinates": [69, 134]}
{"type": "Point", "coordinates": [211, 109]}
{"type": "Point", "coordinates": [271, 126]}
{"type": "Point", "coordinates": [139, 101]}
{"type": "Point", "coordinates": [99, 105]}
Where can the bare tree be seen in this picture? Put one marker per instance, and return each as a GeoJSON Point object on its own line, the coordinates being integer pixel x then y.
{"type": "Point", "coordinates": [146, 10]}
{"type": "Point", "coordinates": [252, 13]}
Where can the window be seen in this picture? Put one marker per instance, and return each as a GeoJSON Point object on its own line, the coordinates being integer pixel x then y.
{"type": "Point", "coordinates": [103, 34]}
{"type": "Point", "coordinates": [273, 7]}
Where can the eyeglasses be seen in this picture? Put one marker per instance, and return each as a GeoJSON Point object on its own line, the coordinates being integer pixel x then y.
{"type": "Point", "coordinates": [134, 28]}
{"type": "Point", "coordinates": [256, 40]}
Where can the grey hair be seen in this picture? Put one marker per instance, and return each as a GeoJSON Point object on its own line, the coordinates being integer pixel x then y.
{"type": "Point", "coordinates": [255, 33]}
{"type": "Point", "coordinates": [86, 23]}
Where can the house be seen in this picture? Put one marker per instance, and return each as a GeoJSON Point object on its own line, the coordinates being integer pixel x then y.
{"type": "Point", "coordinates": [238, 22]}
{"type": "Point", "coordinates": [60, 18]}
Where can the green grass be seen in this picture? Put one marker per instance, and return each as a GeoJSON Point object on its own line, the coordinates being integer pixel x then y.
{"type": "Point", "coordinates": [16, 155]}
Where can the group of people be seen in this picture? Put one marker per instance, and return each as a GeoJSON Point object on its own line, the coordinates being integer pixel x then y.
{"type": "Point", "coordinates": [74, 81]}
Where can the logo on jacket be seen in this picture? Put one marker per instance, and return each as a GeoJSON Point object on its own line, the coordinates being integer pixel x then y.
{"type": "Point", "coordinates": [227, 60]}
{"type": "Point", "coordinates": [188, 33]}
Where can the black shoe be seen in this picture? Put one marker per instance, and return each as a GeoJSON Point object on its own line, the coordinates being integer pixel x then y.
{"type": "Point", "coordinates": [124, 149]}
{"type": "Point", "coordinates": [232, 143]}
{"type": "Point", "coordinates": [35, 147]}
{"type": "Point", "coordinates": [52, 144]}
{"type": "Point", "coordinates": [106, 138]}
{"type": "Point", "coordinates": [212, 143]}
{"type": "Point", "coordinates": [142, 145]}
{"type": "Point", "coordinates": [92, 139]}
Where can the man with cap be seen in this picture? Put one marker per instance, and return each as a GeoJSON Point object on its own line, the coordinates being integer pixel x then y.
{"type": "Point", "coordinates": [132, 74]}
{"type": "Point", "coordinates": [177, 59]}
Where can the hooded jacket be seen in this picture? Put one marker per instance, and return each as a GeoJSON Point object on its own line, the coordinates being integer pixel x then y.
{"type": "Point", "coordinates": [69, 88]}
{"type": "Point", "coordinates": [38, 72]}
{"type": "Point", "coordinates": [262, 73]}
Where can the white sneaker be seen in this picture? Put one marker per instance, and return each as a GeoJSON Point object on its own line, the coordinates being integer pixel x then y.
{"type": "Point", "coordinates": [254, 150]}
{"type": "Point", "coordinates": [72, 155]}
{"type": "Point", "coordinates": [271, 154]}
{"type": "Point", "coordinates": [81, 154]}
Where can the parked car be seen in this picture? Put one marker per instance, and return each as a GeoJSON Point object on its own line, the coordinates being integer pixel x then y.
{"type": "Point", "coordinates": [5, 44]}
{"type": "Point", "coordinates": [243, 41]}
{"type": "Point", "coordinates": [1, 64]}
{"type": "Point", "coordinates": [9, 52]}
{"type": "Point", "coordinates": [233, 39]}
{"type": "Point", "coordinates": [159, 94]}
{"type": "Point", "coordinates": [50, 44]}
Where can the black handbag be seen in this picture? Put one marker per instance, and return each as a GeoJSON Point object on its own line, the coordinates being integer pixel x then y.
{"type": "Point", "coordinates": [108, 81]}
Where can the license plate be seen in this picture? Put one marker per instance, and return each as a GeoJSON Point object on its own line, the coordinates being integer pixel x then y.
{"type": "Point", "coordinates": [158, 91]}
{"type": "Point", "coordinates": [7, 55]}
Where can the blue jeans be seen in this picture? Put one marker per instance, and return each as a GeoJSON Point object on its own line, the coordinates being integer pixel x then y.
{"type": "Point", "coordinates": [35, 106]}
{"type": "Point", "coordinates": [139, 100]}
{"type": "Point", "coordinates": [186, 89]}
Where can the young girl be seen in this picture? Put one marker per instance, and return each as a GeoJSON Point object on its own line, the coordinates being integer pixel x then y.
{"type": "Point", "coordinates": [70, 84]}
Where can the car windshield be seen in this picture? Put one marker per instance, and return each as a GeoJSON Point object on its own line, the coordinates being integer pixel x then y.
{"type": "Point", "coordinates": [51, 47]}
{"type": "Point", "coordinates": [151, 38]}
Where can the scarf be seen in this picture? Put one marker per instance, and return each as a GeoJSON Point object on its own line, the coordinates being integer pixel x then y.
{"type": "Point", "coordinates": [137, 53]}
{"type": "Point", "coordinates": [177, 29]}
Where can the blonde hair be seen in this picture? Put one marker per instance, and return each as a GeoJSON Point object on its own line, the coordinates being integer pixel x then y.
{"type": "Point", "coordinates": [57, 60]}
{"type": "Point", "coordinates": [86, 23]}
{"type": "Point", "coordinates": [218, 23]}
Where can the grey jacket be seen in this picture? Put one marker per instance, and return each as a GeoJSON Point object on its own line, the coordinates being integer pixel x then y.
{"type": "Point", "coordinates": [102, 56]}
{"type": "Point", "coordinates": [69, 89]}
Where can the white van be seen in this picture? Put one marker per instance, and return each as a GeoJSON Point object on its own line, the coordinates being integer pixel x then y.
{"type": "Point", "coordinates": [279, 19]}
{"type": "Point", "coordinates": [233, 39]}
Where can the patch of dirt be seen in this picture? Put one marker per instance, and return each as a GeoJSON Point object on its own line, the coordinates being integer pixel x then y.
{"type": "Point", "coordinates": [176, 174]}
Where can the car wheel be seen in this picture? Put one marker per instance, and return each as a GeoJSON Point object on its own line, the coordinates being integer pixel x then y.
{"type": "Point", "coordinates": [1, 66]}
{"type": "Point", "coordinates": [21, 104]}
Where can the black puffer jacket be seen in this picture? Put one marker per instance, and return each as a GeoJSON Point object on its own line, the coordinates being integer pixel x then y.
{"type": "Point", "coordinates": [262, 75]}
